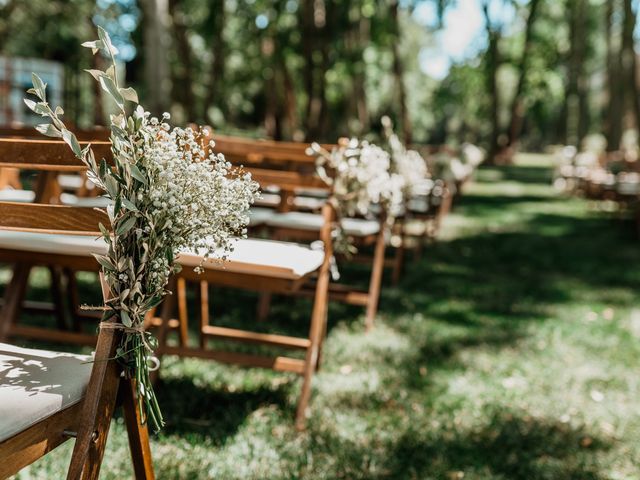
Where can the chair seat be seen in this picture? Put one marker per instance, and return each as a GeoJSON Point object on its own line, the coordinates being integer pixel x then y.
{"type": "Point", "coordinates": [93, 202]}
{"type": "Point", "coordinates": [70, 181]}
{"type": "Point", "coordinates": [268, 200]}
{"type": "Point", "coordinates": [280, 259]}
{"type": "Point", "coordinates": [35, 384]}
{"type": "Point", "coordinates": [418, 205]}
{"type": "Point", "coordinates": [270, 258]}
{"type": "Point", "coordinates": [310, 221]}
{"type": "Point", "coordinates": [11, 195]}
{"type": "Point", "coordinates": [259, 216]}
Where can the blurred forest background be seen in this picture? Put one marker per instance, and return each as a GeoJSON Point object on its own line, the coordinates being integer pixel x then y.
{"type": "Point", "coordinates": [545, 71]}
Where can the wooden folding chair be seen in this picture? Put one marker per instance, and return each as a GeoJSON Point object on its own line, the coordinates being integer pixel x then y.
{"type": "Point", "coordinates": [265, 266]}
{"type": "Point", "coordinates": [46, 397]}
{"type": "Point", "coordinates": [289, 224]}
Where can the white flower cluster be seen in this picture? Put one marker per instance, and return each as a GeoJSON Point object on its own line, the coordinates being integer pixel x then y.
{"type": "Point", "coordinates": [359, 173]}
{"type": "Point", "coordinates": [408, 164]}
{"type": "Point", "coordinates": [195, 202]}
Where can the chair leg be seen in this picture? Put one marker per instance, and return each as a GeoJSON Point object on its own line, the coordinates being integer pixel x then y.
{"type": "Point", "coordinates": [203, 296]}
{"type": "Point", "coordinates": [137, 433]}
{"type": "Point", "coordinates": [318, 326]}
{"type": "Point", "coordinates": [323, 337]}
{"type": "Point", "coordinates": [183, 315]}
{"type": "Point", "coordinates": [375, 282]}
{"type": "Point", "coordinates": [97, 412]}
{"type": "Point", "coordinates": [13, 297]}
{"type": "Point", "coordinates": [73, 299]}
{"type": "Point", "coordinates": [399, 258]}
{"type": "Point", "coordinates": [264, 305]}
{"type": "Point", "coordinates": [58, 297]}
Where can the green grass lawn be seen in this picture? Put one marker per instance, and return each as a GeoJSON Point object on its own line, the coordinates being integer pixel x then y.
{"type": "Point", "coordinates": [510, 351]}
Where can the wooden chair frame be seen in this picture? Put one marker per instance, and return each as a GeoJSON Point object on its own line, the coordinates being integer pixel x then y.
{"type": "Point", "coordinates": [258, 155]}
{"type": "Point", "coordinates": [89, 420]}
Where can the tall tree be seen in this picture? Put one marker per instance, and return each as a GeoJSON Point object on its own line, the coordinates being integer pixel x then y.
{"type": "Point", "coordinates": [517, 104]}
{"type": "Point", "coordinates": [183, 81]}
{"type": "Point", "coordinates": [157, 42]}
{"type": "Point", "coordinates": [398, 73]}
{"type": "Point", "coordinates": [614, 110]}
{"type": "Point", "coordinates": [492, 64]}
{"type": "Point", "coordinates": [215, 95]}
{"type": "Point", "coordinates": [629, 63]}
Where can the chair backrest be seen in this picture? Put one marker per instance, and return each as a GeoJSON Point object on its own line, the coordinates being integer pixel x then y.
{"type": "Point", "coordinates": [281, 165]}
{"type": "Point", "coordinates": [52, 157]}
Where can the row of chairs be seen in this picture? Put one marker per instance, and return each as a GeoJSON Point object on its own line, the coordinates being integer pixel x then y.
{"type": "Point", "coordinates": [600, 176]}
{"type": "Point", "coordinates": [295, 209]}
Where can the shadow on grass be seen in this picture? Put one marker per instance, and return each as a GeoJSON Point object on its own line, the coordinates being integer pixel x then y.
{"type": "Point", "coordinates": [513, 445]}
{"type": "Point", "coordinates": [213, 413]}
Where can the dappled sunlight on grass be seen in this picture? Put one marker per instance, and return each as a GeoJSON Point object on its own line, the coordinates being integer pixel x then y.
{"type": "Point", "coordinates": [508, 352]}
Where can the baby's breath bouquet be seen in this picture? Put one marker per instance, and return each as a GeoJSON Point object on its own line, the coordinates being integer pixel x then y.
{"type": "Point", "coordinates": [168, 194]}
{"type": "Point", "coordinates": [359, 173]}
{"type": "Point", "coordinates": [409, 164]}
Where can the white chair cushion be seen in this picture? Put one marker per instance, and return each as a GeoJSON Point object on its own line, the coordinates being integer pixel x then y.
{"type": "Point", "coordinates": [259, 216]}
{"type": "Point", "coordinates": [70, 182]}
{"type": "Point", "coordinates": [35, 384]}
{"type": "Point", "coordinates": [268, 200]}
{"type": "Point", "coordinates": [280, 259]}
{"type": "Point", "coordinates": [79, 245]}
{"type": "Point", "coordinates": [311, 221]}
{"type": "Point", "coordinates": [11, 195]}
{"type": "Point", "coordinates": [93, 202]}
{"type": "Point", "coordinates": [273, 258]}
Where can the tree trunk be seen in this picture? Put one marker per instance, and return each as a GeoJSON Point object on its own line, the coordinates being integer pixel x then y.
{"type": "Point", "coordinates": [183, 79]}
{"type": "Point", "coordinates": [615, 104]}
{"type": "Point", "coordinates": [629, 63]}
{"type": "Point", "coordinates": [398, 72]}
{"type": "Point", "coordinates": [157, 42]}
{"type": "Point", "coordinates": [315, 44]}
{"type": "Point", "coordinates": [517, 105]}
{"type": "Point", "coordinates": [215, 95]}
{"type": "Point", "coordinates": [492, 59]}
{"type": "Point", "coordinates": [576, 110]}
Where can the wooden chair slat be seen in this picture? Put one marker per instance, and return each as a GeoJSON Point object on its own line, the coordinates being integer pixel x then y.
{"type": "Point", "coordinates": [46, 155]}
{"type": "Point", "coordinates": [286, 180]}
{"type": "Point", "coordinates": [51, 218]}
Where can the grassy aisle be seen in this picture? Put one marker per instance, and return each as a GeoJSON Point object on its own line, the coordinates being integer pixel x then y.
{"type": "Point", "coordinates": [509, 352]}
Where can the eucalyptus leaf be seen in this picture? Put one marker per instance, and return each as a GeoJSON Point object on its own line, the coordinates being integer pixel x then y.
{"type": "Point", "coordinates": [125, 226]}
{"type": "Point", "coordinates": [129, 205]}
{"type": "Point", "coordinates": [109, 86]}
{"type": "Point", "coordinates": [125, 319]}
{"type": "Point", "coordinates": [39, 86]}
{"type": "Point", "coordinates": [49, 130]}
{"type": "Point", "coordinates": [71, 140]}
{"type": "Point", "coordinates": [104, 261]}
{"type": "Point", "coordinates": [129, 94]}
{"type": "Point", "coordinates": [95, 73]}
{"type": "Point", "coordinates": [137, 174]}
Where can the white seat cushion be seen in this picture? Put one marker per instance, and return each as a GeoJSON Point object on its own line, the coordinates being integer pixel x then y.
{"type": "Point", "coordinates": [79, 245]}
{"type": "Point", "coordinates": [279, 259]}
{"type": "Point", "coordinates": [268, 200]}
{"type": "Point", "coordinates": [311, 221]}
{"type": "Point", "coordinates": [11, 195]}
{"type": "Point", "coordinates": [273, 258]}
{"type": "Point", "coordinates": [93, 202]}
{"type": "Point", "coordinates": [35, 384]}
{"type": "Point", "coordinates": [70, 181]}
{"type": "Point", "coordinates": [259, 216]}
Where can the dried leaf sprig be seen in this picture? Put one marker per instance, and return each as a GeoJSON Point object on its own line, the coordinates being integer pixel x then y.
{"type": "Point", "coordinates": [168, 194]}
